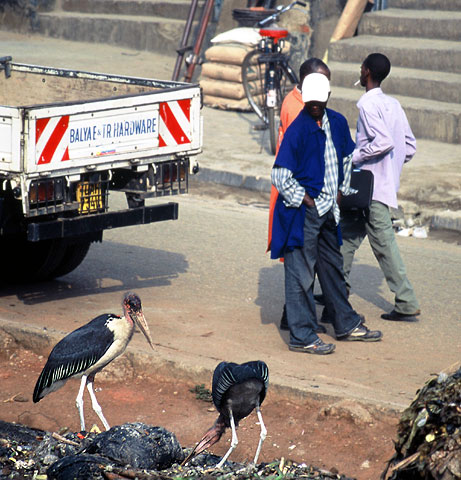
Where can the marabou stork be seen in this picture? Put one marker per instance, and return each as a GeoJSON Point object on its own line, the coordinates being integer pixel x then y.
{"type": "Point", "coordinates": [87, 350]}
{"type": "Point", "coordinates": [236, 390]}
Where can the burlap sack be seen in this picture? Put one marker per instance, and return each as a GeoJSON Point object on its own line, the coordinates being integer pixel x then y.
{"type": "Point", "coordinates": [226, 103]}
{"type": "Point", "coordinates": [226, 72]}
{"type": "Point", "coordinates": [222, 71]}
{"type": "Point", "coordinates": [229, 54]}
{"type": "Point", "coordinates": [220, 88]}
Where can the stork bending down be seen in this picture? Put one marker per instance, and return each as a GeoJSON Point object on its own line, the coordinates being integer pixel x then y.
{"type": "Point", "coordinates": [237, 390]}
{"type": "Point", "coordinates": [87, 350]}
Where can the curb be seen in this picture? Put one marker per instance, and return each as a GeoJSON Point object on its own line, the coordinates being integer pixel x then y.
{"type": "Point", "coordinates": [233, 179]}
{"type": "Point", "coordinates": [447, 220]}
{"type": "Point", "coordinates": [134, 361]}
{"type": "Point", "coordinates": [444, 220]}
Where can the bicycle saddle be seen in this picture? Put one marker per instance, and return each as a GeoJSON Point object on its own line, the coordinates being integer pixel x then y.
{"type": "Point", "coordinates": [274, 32]}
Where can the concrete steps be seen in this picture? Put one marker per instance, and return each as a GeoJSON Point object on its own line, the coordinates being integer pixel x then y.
{"type": "Point", "coordinates": [137, 32]}
{"type": "Point", "coordinates": [453, 5]}
{"type": "Point", "coordinates": [422, 38]}
{"type": "Point", "coordinates": [411, 82]}
{"type": "Point", "coordinates": [429, 119]}
{"type": "Point", "coordinates": [413, 23]}
{"type": "Point", "coordinates": [175, 9]}
{"type": "Point", "coordinates": [152, 25]}
{"type": "Point", "coordinates": [422, 53]}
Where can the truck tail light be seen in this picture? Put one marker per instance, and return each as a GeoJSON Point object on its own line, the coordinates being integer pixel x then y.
{"type": "Point", "coordinates": [172, 172]}
{"type": "Point", "coordinates": [41, 192]}
{"type": "Point", "coordinates": [172, 177]}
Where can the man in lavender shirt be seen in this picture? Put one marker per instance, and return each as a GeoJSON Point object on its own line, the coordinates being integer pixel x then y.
{"type": "Point", "coordinates": [384, 143]}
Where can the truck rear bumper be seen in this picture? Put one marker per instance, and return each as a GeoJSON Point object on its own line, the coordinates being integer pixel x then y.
{"type": "Point", "coordinates": [71, 227]}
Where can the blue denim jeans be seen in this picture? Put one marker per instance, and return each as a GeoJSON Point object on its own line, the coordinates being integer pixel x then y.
{"type": "Point", "coordinates": [320, 250]}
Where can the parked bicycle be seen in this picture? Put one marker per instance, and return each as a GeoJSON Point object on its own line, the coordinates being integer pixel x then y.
{"type": "Point", "coordinates": [267, 75]}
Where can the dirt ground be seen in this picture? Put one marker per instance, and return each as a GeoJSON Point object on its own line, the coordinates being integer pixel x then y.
{"type": "Point", "coordinates": [298, 428]}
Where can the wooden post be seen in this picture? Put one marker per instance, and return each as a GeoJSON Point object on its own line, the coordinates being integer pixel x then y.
{"type": "Point", "coordinates": [348, 21]}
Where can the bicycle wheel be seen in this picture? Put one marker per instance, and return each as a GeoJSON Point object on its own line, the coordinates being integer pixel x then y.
{"type": "Point", "coordinates": [253, 83]}
{"type": "Point", "coordinates": [285, 81]}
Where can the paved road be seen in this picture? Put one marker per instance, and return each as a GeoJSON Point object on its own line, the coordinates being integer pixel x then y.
{"type": "Point", "coordinates": [210, 293]}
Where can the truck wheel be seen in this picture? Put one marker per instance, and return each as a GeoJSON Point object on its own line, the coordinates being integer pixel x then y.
{"type": "Point", "coordinates": [32, 261]}
{"type": "Point", "coordinates": [74, 256]}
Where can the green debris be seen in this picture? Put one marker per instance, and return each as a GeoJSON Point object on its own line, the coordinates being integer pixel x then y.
{"type": "Point", "coordinates": [202, 393]}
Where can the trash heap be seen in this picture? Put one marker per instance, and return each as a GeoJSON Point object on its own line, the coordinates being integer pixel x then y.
{"type": "Point", "coordinates": [129, 451]}
{"type": "Point", "coordinates": [428, 442]}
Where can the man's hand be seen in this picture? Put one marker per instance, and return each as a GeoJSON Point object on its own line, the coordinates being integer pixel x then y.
{"type": "Point", "coordinates": [339, 197]}
{"type": "Point", "coordinates": [307, 200]}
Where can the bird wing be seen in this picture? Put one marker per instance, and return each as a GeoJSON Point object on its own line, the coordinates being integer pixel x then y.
{"type": "Point", "coordinates": [74, 354]}
{"type": "Point", "coordinates": [223, 379]}
{"type": "Point", "coordinates": [261, 371]}
{"type": "Point", "coordinates": [227, 374]}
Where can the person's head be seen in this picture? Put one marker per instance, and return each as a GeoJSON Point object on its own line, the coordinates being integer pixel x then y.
{"type": "Point", "coordinates": [313, 65]}
{"type": "Point", "coordinates": [375, 68]}
{"type": "Point", "coordinates": [315, 93]}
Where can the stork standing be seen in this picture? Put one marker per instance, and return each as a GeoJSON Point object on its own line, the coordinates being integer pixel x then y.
{"type": "Point", "coordinates": [87, 350]}
{"type": "Point", "coordinates": [236, 390]}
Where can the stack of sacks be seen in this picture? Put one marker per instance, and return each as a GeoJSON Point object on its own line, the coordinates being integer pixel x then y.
{"type": "Point", "coordinates": [221, 76]}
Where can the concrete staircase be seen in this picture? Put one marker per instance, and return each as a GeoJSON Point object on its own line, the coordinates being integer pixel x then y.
{"type": "Point", "coordinates": [152, 25]}
{"type": "Point", "coordinates": [422, 38]}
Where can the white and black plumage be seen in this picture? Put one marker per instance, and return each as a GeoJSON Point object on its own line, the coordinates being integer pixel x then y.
{"type": "Point", "coordinates": [237, 390]}
{"type": "Point", "coordinates": [87, 350]}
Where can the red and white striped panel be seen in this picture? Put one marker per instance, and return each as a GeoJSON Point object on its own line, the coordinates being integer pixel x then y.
{"type": "Point", "coordinates": [174, 123]}
{"type": "Point", "coordinates": [51, 143]}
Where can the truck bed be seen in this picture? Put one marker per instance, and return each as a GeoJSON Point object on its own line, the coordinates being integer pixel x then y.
{"type": "Point", "coordinates": [57, 121]}
{"type": "Point", "coordinates": [30, 85]}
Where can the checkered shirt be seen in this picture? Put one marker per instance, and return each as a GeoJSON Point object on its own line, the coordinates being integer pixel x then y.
{"type": "Point", "coordinates": [293, 193]}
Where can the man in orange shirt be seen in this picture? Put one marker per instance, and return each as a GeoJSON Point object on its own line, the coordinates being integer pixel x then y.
{"type": "Point", "coordinates": [291, 106]}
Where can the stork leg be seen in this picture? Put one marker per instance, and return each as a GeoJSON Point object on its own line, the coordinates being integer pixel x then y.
{"type": "Point", "coordinates": [262, 435]}
{"type": "Point", "coordinates": [79, 402]}
{"type": "Point", "coordinates": [234, 441]}
{"type": "Point", "coordinates": [96, 407]}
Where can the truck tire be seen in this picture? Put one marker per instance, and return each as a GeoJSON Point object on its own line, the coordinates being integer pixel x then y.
{"type": "Point", "coordinates": [31, 261]}
{"type": "Point", "coordinates": [74, 256]}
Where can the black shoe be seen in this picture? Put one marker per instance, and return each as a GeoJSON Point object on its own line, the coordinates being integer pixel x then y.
{"type": "Point", "coordinates": [401, 317]}
{"type": "Point", "coordinates": [363, 334]}
{"type": "Point", "coordinates": [317, 348]}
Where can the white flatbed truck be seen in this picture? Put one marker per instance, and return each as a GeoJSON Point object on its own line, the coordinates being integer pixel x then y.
{"type": "Point", "coordinates": [67, 139]}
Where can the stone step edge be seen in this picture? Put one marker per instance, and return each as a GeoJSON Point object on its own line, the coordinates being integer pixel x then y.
{"type": "Point", "coordinates": [106, 16]}
{"type": "Point", "coordinates": [398, 72]}
{"type": "Point", "coordinates": [406, 102]}
{"type": "Point", "coordinates": [423, 14]}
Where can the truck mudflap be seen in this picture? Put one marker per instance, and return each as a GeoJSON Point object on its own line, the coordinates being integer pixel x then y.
{"type": "Point", "coordinates": [71, 227]}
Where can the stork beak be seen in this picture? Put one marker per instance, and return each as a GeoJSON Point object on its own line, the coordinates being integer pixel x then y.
{"type": "Point", "coordinates": [210, 438]}
{"type": "Point", "coordinates": [140, 321]}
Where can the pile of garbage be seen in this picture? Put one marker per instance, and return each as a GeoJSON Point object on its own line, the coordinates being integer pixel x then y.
{"type": "Point", "coordinates": [428, 444]}
{"type": "Point", "coordinates": [129, 451]}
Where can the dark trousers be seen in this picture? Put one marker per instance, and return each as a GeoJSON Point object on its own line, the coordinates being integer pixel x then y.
{"type": "Point", "coordinates": [321, 253]}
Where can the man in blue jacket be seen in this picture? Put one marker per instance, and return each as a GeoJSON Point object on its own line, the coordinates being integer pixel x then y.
{"type": "Point", "coordinates": [311, 172]}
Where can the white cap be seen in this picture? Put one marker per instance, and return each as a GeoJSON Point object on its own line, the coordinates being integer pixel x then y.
{"type": "Point", "coordinates": [315, 88]}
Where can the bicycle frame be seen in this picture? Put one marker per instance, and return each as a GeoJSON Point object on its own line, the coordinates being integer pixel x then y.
{"type": "Point", "coordinates": [273, 73]}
